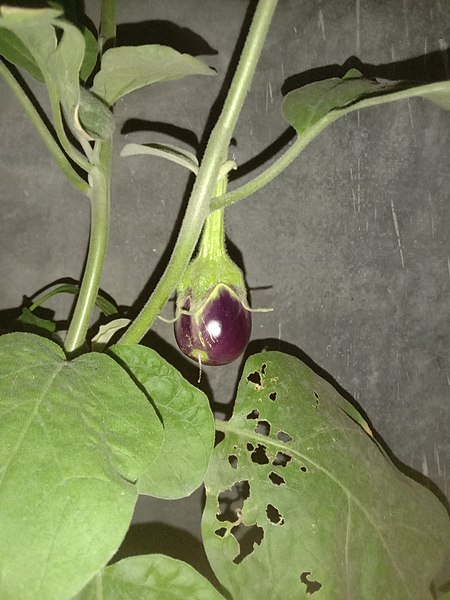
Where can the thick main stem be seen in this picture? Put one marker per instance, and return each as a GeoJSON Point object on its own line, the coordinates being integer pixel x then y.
{"type": "Point", "coordinates": [198, 207]}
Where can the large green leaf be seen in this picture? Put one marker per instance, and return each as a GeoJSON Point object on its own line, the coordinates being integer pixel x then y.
{"type": "Point", "coordinates": [74, 437]}
{"type": "Point", "coordinates": [322, 102]}
{"type": "Point", "coordinates": [301, 500]}
{"type": "Point", "coordinates": [188, 424]}
{"type": "Point", "coordinates": [126, 69]}
{"type": "Point", "coordinates": [151, 577]}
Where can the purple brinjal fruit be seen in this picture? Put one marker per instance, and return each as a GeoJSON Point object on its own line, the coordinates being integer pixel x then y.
{"type": "Point", "coordinates": [216, 330]}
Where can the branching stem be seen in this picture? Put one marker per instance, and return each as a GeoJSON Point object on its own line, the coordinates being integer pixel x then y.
{"type": "Point", "coordinates": [203, 190]}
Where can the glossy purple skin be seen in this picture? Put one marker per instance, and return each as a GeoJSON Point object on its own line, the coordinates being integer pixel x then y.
{"type": "Point", "coordinates": [219, 334]}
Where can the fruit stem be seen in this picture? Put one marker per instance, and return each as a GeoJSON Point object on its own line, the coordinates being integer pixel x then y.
{"type": "Point", "coordinates": [212, 244]}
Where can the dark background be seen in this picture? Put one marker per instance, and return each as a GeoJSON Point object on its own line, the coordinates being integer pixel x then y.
{"type": "Point", "coordinates": [349, 246]}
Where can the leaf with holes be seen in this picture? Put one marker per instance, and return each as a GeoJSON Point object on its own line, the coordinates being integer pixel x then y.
{"type": "Point", "coordinates": [151, 577]}
{"type": "Point", "coordinates": [301, 500]}
{"type": "Point", "coordinates": [74, 437]}
{"type": "Point", "coordinates": [188, 423]}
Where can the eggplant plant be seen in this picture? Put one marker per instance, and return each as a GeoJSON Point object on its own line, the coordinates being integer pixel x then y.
{"type": "Point", "coordinates": [89, 421]}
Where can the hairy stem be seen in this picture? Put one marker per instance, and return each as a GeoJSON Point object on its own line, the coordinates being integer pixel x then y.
{"type": "Point", "coordinates": [203, 190]}
{"type": "Point", "coordinates": [43, 131]}
{"type": "Point", "coordinates": [272, 171]}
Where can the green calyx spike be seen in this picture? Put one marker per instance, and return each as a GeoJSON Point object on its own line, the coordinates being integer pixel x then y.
{"type": "Point", "coordinates": [212, 266]}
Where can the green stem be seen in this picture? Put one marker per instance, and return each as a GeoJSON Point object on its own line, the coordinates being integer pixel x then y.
{"type": "Point", "coordinates": [203, 190]}
{"type": "Point", "coordinates": [71, 152]}
{"type": "Point", "coordinates": [108, 28]}
{"type": "Point", "coordinates": [437, 92]}
{"type": "Point", "coordinates": [100, 182]}
{"type": "Point", "coordinates": [43, 131]}
{"type": "Point", "coordinates": [272, 171]}
{"type": "Point", "coordinates": [212, 244]}
{"type": "Point", "coordinates": [99, 197]}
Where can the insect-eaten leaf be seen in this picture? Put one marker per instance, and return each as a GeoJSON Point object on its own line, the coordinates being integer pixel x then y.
{"type": "Point", "coordinates": [301, 499]}
{"type": "Point", "coordinates": [74, 437]}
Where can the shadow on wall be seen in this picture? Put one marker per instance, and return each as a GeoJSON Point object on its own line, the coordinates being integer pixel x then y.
{"type": "Point", "coordinates": [160, 538]}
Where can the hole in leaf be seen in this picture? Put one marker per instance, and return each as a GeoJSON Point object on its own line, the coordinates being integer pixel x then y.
{"type": "Point", "coordinates": [263, 368]}
{"type": "Point", "coordinates": [255, 378]}
{"type": "Point", "coordinates": [273, 395]}
{"type": "Point", "coordinates": [259, 455]}
{"type": "Point", "coordinates": [247, 537]}
{"type": "Point", "coordinates": [281, 459]}
{"type": "Point", "coordinates": [233, 460]}
{"type": "Point", "coordinates": [311, 586]}
{"type": "Point", "coordinates": [262, 427]}
{"type": "Point", "coordinates": [253, 415]}
{"type": "Point", "coordinates": [231, 501]}
{"type": "Point", "coordinates": [276, 479]}
{"type": "Point", "coordinates": [274, 515]}
{"type": "Point", "coordinates": [220, 436]}
{"type": "Point", "coordinates": [284, 437]}
{"type": "Point", "coordinates": [250, 446]}
{"type": "Point", "coordinates": [316, 396]}
{"type": "Point", "coordinates": [303, 469]}
{"type": "Point", "coordinates": [221, 531]}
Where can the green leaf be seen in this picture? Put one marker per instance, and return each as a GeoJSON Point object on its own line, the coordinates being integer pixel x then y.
{"type": "Point", "coordinates": [129, 68]}
{"type": "Point", "coordinates": [188, 424]}
{"type": "Point", "coordinates": [58, 62]}
{"type": "Point", "coordinates": [14, 16]}
{"type": "Point", "coordinates": [28, 318]}
{"type": "Point", "coordinates": [90, 53]}
{"type": "Point", "coordinates": [64, 66]}
{"type": "Point", "coordinates": [151, 577]}
{"type": "Point", "coordinates": [74, 436]}
{"type": "Point", "coordinates": [33, 26]}
{"type": "Point", "coordinates": [107, 307]}
{"type": "Point", "coordinates": [106, 332]}
{"type": "Point", "coordinates": [325, 101]}
{"type": "Point", "coordinates": [316, 505]}
{"type": "Point", "coordinates": [173, 153]}
{"type": "Point", "coordinates": [15, 51]}
{"type": "Point", "coordinates": [95, 117]}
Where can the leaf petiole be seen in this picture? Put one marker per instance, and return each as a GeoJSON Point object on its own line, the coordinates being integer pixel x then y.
{"type": "Point", "coordinates": [43, 131]}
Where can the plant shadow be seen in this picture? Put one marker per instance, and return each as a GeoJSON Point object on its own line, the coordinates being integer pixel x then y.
{"type": "Point", "coordinates": [161, 538]}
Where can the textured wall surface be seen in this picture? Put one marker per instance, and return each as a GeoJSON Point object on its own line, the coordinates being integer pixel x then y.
{"type": "Point", "coordinates": [350, 246]}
